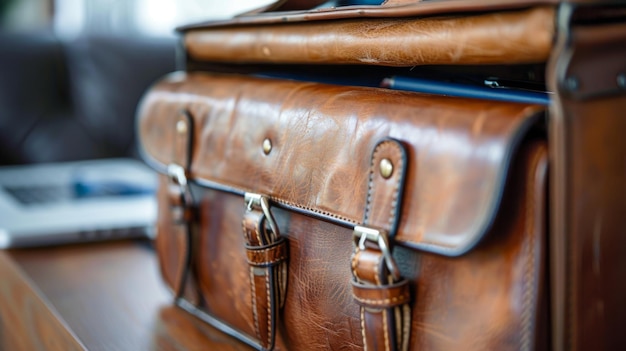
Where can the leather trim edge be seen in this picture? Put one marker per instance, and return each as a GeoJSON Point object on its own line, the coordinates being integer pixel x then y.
{"type": "Point", "coordinates": [218, 324]}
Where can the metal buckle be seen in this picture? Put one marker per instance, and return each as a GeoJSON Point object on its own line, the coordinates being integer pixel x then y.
{"type": "Point", "coordinates": [363, 234]}
{"type": "Point", "coordinates": [258, 201]}
{"type": "Point", "coordinates": [177, 176]}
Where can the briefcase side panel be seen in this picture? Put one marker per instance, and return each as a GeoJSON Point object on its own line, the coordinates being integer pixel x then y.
{"type": "Point", "coordinates": [588, 245]}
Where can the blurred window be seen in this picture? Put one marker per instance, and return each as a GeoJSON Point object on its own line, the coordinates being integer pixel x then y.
{"type": "Point", "coordinates": [140, 17]}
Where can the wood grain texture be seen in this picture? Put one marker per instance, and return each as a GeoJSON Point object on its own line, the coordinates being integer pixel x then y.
{"type": "Point", "coordinates": [27, 320]}
{"type": "Point", "coordinates": [111, 297]}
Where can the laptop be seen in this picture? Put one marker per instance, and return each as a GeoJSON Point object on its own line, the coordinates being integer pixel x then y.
{"type": "Point", "coordinates": [49, 204]}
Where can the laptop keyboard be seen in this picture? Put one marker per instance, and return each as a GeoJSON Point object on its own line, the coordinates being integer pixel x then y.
{"type": "Point", "coordinates": [46, 194]}
{"type": "Point", "coordinates": [43, 194]}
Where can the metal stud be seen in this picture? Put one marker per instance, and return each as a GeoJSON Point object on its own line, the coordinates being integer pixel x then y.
{"type": "Point", "coordinates": [181, 127]}
{"type": "Point", "coordinates": [267, 146]}
{"type": "Point", "coordinates": [386, 168]}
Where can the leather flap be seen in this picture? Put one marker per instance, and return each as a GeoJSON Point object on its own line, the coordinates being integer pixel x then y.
{"type": "Point", "coordinates": [322, 137]}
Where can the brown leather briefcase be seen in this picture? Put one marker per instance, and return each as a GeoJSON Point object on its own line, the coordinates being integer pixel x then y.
{"type": "Point", "coordinates": [304, 205]}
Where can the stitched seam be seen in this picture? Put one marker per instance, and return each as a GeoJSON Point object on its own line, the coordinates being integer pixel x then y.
{"type": "Point", "coordinates": [354, 265]}
{"type": "Point", "coordinates": [253, 298]}
{"type": "Point", "coordinates": [253, 252]}
{"type": "Point", "coordinates": [396, 191]}
{"type": "Point", "coordinates": [266, 250]}
{"type": "Point", "coordinates": [282, 258]}
{"type": "Point", "coordinates": [362, 308]}
{"type": "Point", "coordinates": [269, 307]}
{"type": "Point", "coordinates": [382, 302]}
{"type": "Point", "coordinates": [406, 327]}
{"type": "Point", "coordinates": [245, 231]}
{"type": "Point", "coordinates": [282, 284]}
{"type": "Point", "coordinates": [283, 201]}
{"type": "Point", "coordinates": [273, 198]}
{"type": "Point", "coordinates": [258, 235]}
{"type": "Point", "coordinates": [370, 185]}
{"type": "Point", "coordinates": [392, 215]}
{"type": "Point", "coordinates": [385, 330]}
{"type": "Point", "coordinates": [307, 208]}
{"type": "Point", "coordinates": [376, 271]}
{"type": "Point", "coordinates": [530, 264]}
{"type": "Point", "coordinates": [363, 328]}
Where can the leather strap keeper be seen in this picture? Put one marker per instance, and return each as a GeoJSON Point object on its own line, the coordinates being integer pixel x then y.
{"type": "Point", "coordinates": [269, 255]}
{"type": "Point", "coordinates": [382, 296]}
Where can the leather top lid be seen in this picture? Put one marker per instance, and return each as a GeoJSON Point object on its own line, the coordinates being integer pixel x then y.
{"type": "Point", "coordinates": [513, 37]}
{"type": "Point", "coordinates": [322, 137]}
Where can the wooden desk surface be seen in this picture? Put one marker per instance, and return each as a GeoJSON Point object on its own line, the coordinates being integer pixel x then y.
{"type": "Point", "coordinates": [102, 296]}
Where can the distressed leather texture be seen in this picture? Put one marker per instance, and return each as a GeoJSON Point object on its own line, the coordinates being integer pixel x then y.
{"type": "Point", "coordinates": [475, 188]}
{"type": "Point", "coordinates": [384, 41]}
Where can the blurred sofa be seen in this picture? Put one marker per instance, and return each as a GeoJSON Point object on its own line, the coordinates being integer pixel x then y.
{"type": "Point", "coordinates": [72, 100]}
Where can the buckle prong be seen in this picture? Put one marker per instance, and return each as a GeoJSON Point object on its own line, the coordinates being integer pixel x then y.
{"type": "Point", "coordinates": [255, 201]}
{"type": "Point", "coordinates": [378, 237]}
{"type": "Point", "coordinates": [178, 176]}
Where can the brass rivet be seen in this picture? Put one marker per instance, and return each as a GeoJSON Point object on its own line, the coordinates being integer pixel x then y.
{"type": "Point", "coordinates": [181, 127]}
{"type": "Point", "coordinates": [267, 146]}
{"type": "Point", "coordinates": [386, 168]}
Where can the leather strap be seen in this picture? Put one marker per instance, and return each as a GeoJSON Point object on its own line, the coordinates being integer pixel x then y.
{"type": "Point", "coordinates": [384, 195]}
{"type": "Point", "coordinates": [267, 255]}
{"type": "Point", "coordinates": [385, 311]}
{"type": "Point", "coordinates": [182, 205]}
{"type": "Point", "coordinates": [383, 295]}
